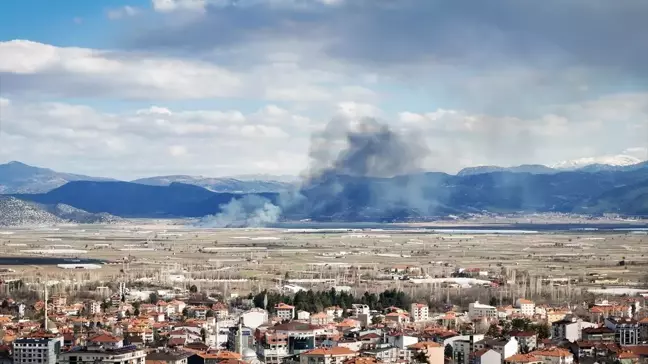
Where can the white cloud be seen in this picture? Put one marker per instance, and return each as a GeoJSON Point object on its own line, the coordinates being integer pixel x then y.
{"type": "Point", "coordinates": [122, 12]}
{"type": "Point", "coordinates": [166, 6]}
{"type": "Point", "coordinates": [139, 142]}
{"type": "Point", "coordinates": [33, 68]}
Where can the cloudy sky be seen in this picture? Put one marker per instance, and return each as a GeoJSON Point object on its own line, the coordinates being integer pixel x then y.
{"type": "Point", "coordinates": [133, 88]}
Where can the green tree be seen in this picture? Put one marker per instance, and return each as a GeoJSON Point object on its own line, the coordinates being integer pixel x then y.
{"type": "Point", "coordinates": [448, 352]}
{"type": "Point", "coordinates": [153, 297]}
{"type": "Point", "coordinates": [193, 289]}
{"type": "Point", "coordinates": [543, 331]}
{"type": "Point", "coordinates": [493, 331]}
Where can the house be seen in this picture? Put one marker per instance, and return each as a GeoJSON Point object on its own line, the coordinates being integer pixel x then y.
{"type": "Point", "coordinates": [478, 310]}
{"type": "Point", "coordinates": [320, 318]}
{"type": "Point", "coordinates": [169, 357]}
{"type": "Point", "coordinates": [419, 312]}
{"type": "Point", "coordinates": [523, 359]}
{"type": "Point", "coordinates": [397, 317]}
{"type": "Point", "coordinates": [334, 311]}
{"type": "Point", "coordinates": [303, 315]}
{"type": "Point", "coordinates": [434, 352]}
{"type": "Point", "coordinates": [284, 311]}
{"type": "Point", "coordinates": [626, 330]}
{"type": "Point", "coordinates": [527, 340]}
{"type": "Point", "coordinates": [360, 309]}
{"type": "Point", "coordinates": [554, 356]}
{"type": "Point", "coordinates": [570, 328]}
{"type": "Point", "coordinates": [272, 348]}
{"type": "Point", "coordinates": [598, 334]}
{"type": "Point", "coordinates": [526, 307]}
{"type": "Point", "coordinates": [505, 348]}
{"type": "Point", "coordinates": [103, 349]}
{"type": "Point", "coordinates": [200, 312]}
{"type": "Point", "coordinates": [221, 310]}
{"type": "Point", "coordinates": [486, 356]}
{"type": "Point", "coordinates": [335, 355]}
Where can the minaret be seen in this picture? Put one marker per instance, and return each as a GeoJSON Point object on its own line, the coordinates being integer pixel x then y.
{"type": "Point", "coordinates": [239, 334]}
{"type": "Point", "coordinates": [217, 334]}
{"type": "Point", "coordinates": [46, 319]}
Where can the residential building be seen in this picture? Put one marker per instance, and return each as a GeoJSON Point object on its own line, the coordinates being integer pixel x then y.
{"type": "Point", "coordinates": [200, 312]}
{"type": "Point", "coordinates": [486, 356]}
{"type": "Point", "coordinates": [103, 349]}
{"type": "Point", "coordinates": [39, 347]}
{"type": "Point", "coordinates": [478, 310]}
{"type": "Point", "coordinates": [433, 351]}
{"type": "Point", "coordinates": [303, 315]}
{"type": "Point", "coordinates": [523, 359]}
{"type": "Point", "coordinates": [301, 336]}
{"type": "Point", "coordinates": [570, 328]}
{"type": "Point", "coordinates": [93, 307]}
{"type": "Point", "coordinates": [419, 312]}
{"type": "Point", "coordinates": [335, 355]}
{"type": "Point", "coordinates": [598, 334]}
{"type": "Point", "coordinates": [284, 311]}
{"type": "Point", "coordinates": [320, 318]}
{"type": "Point", "coordinates": [527, 340]}
{"type": "Point", "coordinates": [272, 348]}
{"type": "Point", "coordinates": [626, 330]}
{"type": "Point", "coordinates": [554, 356]}
{"type": "Point", "coordinates": [169, 357]}
{"type": "Point", "coordinates": [526, 307]}
{"type": "Point", "coordinates": [359, 309]}
{"type": "Point", "coordinates": [505, 348]}
{"type": "Point", "coordinates": [462, 347]}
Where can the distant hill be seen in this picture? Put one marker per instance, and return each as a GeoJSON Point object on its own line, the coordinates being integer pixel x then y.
{"type": "Point", "coordinates": [525, 168]}
{"type": "Point", "coordinates": [16, 177]}
{"type": "Point", "coordinates": [127, 199]}
{"type": "Point", "coordinates": [233, 185]}
{"type": "Point", "coordinates": [14, 212]}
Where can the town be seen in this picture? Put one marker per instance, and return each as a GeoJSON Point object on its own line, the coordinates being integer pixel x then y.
{"type": "Point", "coordinates": [307, 327]}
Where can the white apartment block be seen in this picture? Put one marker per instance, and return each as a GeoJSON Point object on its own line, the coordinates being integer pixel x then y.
{"type": "Point", "coordinates": [526, 307]}
{"type": "Point", "coordinates": [419, 312]}
{"type": "Point", "coordinates": [476, 310]}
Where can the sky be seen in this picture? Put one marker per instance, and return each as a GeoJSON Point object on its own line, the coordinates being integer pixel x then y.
{"type": "Point", "coordinates": [136, 88]}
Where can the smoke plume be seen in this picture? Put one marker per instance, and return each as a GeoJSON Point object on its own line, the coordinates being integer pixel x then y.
{"type": "Point", "coordinates": [347, 156]}
{"type": "Point", "coordinates": [248, 211]}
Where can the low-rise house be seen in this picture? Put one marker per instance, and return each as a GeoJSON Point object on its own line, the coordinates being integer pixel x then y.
{"type": "Point", "coordinates": [598, 334]}
{"type": "Point", "coordinates": [336, 355]}
{"type": "Point", "coordinates": [523, 359]}
{"type": "Point", "coordinates": [486, 356]}
{"type": "Point", "coordinates": [554, 356]}
{"type": "Point", "coordinates": [505, 348]}
{"type": "Point", "coordinates": [527, 340]}
{"type": "Point", "coordinates": [284, 311]}
{"type": "Point", "coordinates": [434, 352]}
{"type": "Point", "coordinates": [570, 329]}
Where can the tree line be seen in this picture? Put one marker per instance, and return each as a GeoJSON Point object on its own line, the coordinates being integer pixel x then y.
{"type": "Point", "coordinates": [316, 301]}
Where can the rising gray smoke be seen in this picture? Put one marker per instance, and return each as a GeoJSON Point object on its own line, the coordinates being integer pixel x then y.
{"type": "Point", "coordinates": [366, 148]}
{"type": "Point", "coordinates": [248, 211]}
{"type": "Point", "coordinates": [358, 149]}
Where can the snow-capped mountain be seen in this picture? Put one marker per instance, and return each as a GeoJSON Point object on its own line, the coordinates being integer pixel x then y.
{"type": "Point", "coordinates": [620, 160]}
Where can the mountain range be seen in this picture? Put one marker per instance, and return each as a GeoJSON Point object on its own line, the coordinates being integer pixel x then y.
{"type": "Point", "coordinates": [593, 189]}
{"type": "Point", "coordinates": [20, 178]}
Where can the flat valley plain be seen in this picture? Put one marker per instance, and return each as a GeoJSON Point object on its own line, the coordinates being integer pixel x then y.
{"type": "Point", "coordinates": [170, 253]}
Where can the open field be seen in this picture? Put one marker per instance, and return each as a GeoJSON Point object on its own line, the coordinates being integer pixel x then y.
{"type": "Point", "coordinates": [168, 253]}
